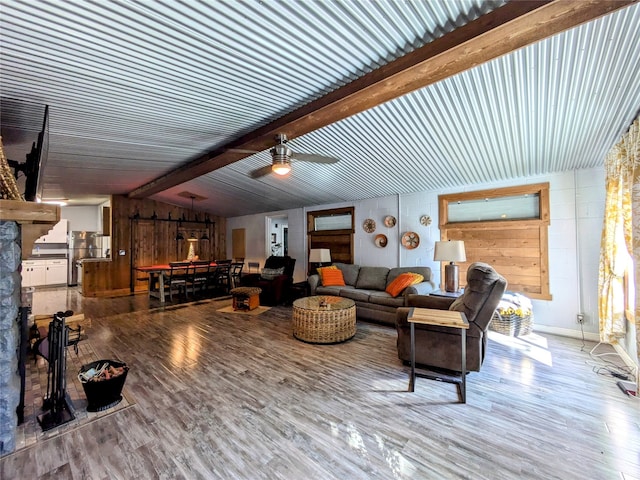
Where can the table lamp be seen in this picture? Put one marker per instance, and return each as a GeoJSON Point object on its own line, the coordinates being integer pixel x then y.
{"type": "Point", "coordinates": [317, 258]}
{"type": "Point", "coordinates": [450, 251]}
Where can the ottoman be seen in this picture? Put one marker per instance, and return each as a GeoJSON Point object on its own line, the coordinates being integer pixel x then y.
{"type": "Point", "coordinates": [245, 298]}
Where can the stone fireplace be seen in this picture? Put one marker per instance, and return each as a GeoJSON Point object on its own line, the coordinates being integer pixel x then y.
{"type": "Point", "coordinates": [10, 301]}
{"type": "Point", "coordinates": [21, 224]}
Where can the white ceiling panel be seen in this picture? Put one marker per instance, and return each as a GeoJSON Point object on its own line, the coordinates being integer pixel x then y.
{"type": "Point", "coordinates": [136, 89]}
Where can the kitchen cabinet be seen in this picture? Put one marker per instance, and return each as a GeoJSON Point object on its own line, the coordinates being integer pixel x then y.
{"type": "Point", "coordinates": [58, 234]}
{"type": "Point", "coordinates": [36, 273]}
{"type": "Point", "coordinates": [33, 273]}
{"type": "Point", "coordinates": [56, 272]}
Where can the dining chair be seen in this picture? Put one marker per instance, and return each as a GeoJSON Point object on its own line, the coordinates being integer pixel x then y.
{"type": "Point", "coordinates": [219, 278]}
{"type": "Point", "coordinates": [236, 273]}
{"type": "Point", "coordinates": [199, 276]}
{"type": "Point", "coordinates": [223, 280]}
{"type": "Point", "coordinates": [176, 279]}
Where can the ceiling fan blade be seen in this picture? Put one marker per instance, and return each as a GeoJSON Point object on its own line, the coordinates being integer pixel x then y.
{"type": "Point", "coordinates": [242, 150]}
{"type": "Point", "coordinates": [260, 172]}
{"type": "Point", "coordinates": [312, 157]}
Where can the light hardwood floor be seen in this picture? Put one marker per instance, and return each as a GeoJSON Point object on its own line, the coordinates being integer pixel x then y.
{"type": "Point", "coordinates": [231, 396]}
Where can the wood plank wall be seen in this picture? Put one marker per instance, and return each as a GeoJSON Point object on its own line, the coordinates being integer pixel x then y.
{"type": "Point", "coordinates": [339, 242]}
{"type": "Point", "coordinates": [517, 248]}
{"type": "Point", "coordinates": [144, 240]}
{"type": "Point", "coordinates": [513, 249]}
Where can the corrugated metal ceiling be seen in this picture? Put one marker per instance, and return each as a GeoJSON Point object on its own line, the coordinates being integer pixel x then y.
{"type": "Point", "coordinates": [137, 88]}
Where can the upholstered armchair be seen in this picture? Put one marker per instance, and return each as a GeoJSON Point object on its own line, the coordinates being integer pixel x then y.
{"type": "Point", "coordinates": [439, 347]}
{"type": "Point", "coordinates": [275, 280]}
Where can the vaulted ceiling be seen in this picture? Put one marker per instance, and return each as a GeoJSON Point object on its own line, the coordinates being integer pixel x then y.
{"type": "Point", "coordinates": [158, 98]}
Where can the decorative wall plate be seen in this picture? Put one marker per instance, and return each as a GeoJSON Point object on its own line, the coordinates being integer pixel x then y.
{"type": "Point", "coordinates": [410, 240]}
{"type": "Point", "coordinates": [380, 240]}
{"type": "Point", "coordinates": [389, 221]}
{"type": "Point", "coordinates": [369, 225]}
{"type": "Point", "coordinates": [425, 220]}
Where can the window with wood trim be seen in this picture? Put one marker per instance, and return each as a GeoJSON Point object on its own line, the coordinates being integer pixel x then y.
{"type": "Point", "coordinates": [333, 229]}
{"type": "Point", "coordinates": [506, 228]}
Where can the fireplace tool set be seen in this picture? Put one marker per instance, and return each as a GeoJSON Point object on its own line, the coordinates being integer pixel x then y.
{"type": "Point", "coordinates": [58, 406]}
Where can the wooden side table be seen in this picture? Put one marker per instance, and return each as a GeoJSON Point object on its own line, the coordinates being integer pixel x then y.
{"type": "Point", "coordinates": [298, 290]}
{"type": "Point", "coordinates": [442, 318]}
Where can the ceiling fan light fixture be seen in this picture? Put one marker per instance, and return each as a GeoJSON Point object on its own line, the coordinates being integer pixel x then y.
{"type": "Point", "coordinates": [281, 168]}
{"type": "Point", "coordinates": [281, 159]}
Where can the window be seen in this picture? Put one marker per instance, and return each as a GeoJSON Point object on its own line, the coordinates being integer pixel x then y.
{"type": "Point", "coordinates": [506, 228]}
{"type": "Point", "coordinates": [499, 208]}
{"type": "Point", "coordinates": [332, 229]}
{"type": "Point", "coordinates": [343, 221]}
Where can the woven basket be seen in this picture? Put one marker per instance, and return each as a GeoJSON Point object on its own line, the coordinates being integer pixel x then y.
{"type": "Point", "coordinates": [511, 325]}
{"type": "Point", "coordinates": [324, 326]}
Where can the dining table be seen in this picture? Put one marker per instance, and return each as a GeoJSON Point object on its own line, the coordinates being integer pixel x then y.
{"type": "Point", "coordinates": [156, 278]}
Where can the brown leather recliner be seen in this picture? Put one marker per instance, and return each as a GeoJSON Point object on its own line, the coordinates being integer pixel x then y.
{"type": "Point", "coordinates": [275, 290]}
{"type": "Point", "coordinates": [439, 347]}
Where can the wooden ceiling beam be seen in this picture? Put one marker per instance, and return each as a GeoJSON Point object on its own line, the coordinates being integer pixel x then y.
{"type": "Point", "coordinates": [504, 30]}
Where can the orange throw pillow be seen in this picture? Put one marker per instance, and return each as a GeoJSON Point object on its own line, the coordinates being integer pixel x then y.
{"type": "Point", "coordinates": [321, 271]}
{"type": "Point", "coordinates": [333, 278]}
{"type": "Point", "coordinates": [401, 282]}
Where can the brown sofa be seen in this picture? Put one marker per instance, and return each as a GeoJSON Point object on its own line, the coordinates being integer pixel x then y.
{"type": "Point", "coordinates": [439, 347]}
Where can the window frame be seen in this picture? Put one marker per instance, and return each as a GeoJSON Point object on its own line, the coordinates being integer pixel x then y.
{"type": "Point", "coordinates": [471, 231]}
{"type": "Point", "coordinates": [340, 242]}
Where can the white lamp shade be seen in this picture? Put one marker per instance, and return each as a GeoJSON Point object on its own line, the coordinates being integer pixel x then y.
{"type": "Point", "coordinates": [320, 255]}
{"type": "Point", "coordinates": [449, 251]}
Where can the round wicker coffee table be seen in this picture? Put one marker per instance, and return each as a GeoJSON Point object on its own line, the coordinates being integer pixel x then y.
{"type": "Point", "coordinates": [324, 319]}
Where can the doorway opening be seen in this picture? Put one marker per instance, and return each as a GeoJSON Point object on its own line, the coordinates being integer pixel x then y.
{"type": "Point", "coordinates": [277, 231]}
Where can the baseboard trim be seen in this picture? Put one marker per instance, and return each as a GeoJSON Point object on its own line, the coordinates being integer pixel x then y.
{"type": "Point", "coordinates": [123, 292]}
{"type": "Point", "coordinates": [566, 332]}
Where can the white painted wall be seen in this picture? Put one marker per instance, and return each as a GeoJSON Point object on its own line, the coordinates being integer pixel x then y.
{"type": "Point", "coordinates": [577, 207]}
{"type": "Point", "coordinates": [87, 218]}
{"type": "Point", "coordinates": [256, 241]}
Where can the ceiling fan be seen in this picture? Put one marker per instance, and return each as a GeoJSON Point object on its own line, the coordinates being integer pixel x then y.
{"type": "Point", "coordinates": [282, 156]}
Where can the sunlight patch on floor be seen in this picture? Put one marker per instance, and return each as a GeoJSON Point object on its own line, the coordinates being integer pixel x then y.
{"type": "Point", "coordinates": [185, 347]}
{"type": "Point", "coordinates": [399, 465]}
{"type": "Point", "coordinates": [533, 346]}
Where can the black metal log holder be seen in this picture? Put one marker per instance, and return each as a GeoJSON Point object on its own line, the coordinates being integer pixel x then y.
{"type": "Point", "coordinates": [57, 402]}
